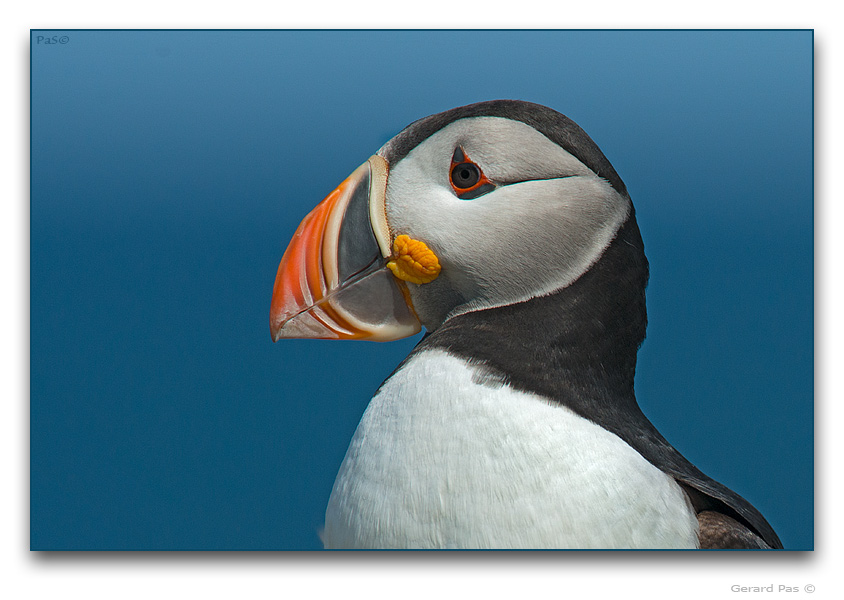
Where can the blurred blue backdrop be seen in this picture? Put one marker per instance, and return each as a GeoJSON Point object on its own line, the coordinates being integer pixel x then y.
{"type": "Point", "coordinates": [170, 169]}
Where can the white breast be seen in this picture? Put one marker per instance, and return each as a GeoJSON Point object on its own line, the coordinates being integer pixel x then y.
{"type": "Point", "coordinates": [442, 459]}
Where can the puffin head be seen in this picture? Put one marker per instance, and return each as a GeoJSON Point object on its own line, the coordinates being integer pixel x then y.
{"type": "Point", "coordinates": [481, 206]}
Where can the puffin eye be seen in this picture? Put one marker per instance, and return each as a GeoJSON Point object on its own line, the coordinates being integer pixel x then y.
{"type": "Point", "coordinates": [465, 175]}
{"type": "Point", "coordinates": [467, 179]}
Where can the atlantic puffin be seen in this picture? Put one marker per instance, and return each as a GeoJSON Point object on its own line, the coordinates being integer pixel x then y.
{"type": "Point", "coordinates": [503, 230]}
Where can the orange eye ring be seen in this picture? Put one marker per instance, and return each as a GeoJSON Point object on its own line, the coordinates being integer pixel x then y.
{"type": "Point", "coordinates": [466, 177]}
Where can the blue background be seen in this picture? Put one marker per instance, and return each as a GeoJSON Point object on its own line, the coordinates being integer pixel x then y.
{"type": "Point", "coordinates": [170, 169]}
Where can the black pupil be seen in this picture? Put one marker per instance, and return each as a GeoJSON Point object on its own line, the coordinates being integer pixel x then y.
{"type": "Point", "coordinates": [465, 175]}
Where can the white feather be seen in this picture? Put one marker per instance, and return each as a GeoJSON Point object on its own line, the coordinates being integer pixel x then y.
{"type": "Point", "coordinates": [443, 460]}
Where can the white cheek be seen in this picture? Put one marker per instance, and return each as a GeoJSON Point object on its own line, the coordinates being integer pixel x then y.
{"type": "Point", "coordinates": [539, 236]}
{"type": "Point", "coordinates": [520, 241]}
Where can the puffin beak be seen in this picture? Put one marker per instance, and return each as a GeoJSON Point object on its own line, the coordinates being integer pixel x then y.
{"type": "Point", "coordinates": [333, 281]}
